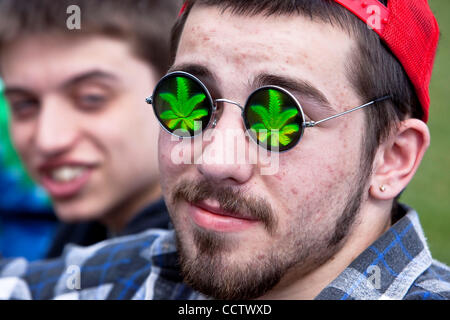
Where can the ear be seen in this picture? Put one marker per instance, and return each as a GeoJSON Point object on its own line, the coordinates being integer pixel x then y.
{"type": "Point", "coordinates": [398, 158]}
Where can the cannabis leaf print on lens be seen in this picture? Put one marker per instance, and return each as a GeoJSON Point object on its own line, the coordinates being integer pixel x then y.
{"type": "Point", "coordinates": [273, 127]}
{"type": "Point", "coordinates": [183, 113]}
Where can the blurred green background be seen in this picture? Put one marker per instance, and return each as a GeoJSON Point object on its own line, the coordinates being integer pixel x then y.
{"type": "Point", "coordinates": [429, 191]}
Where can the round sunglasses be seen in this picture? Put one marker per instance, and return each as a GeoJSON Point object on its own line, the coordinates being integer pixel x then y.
{"type": "Point", "coordinates": [272, 116]}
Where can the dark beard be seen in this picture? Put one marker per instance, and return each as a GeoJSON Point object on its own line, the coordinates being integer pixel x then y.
{"type": "Point", "coordinates": [207, 271]}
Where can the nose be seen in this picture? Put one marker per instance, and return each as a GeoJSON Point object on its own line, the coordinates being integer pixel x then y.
{"type": "Point", "coordinates": [56, 129]}
{"type": "Point", "coordinates": [225, 149]}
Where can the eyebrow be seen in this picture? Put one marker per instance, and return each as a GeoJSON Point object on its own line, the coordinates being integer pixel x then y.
{"type": "Point", "coordinates": [90, 75]}
{"type": "Point", "coordinates": [194, 69]}
{"type": "Point", "coordinates": [297, 87]}
{"type": "Point", "coordinates": [17, 90]}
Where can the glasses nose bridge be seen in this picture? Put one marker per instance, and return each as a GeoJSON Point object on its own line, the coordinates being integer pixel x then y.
{"type": "Point", "coordinates": [225, 101]}
{"type": "Point", "coordinates": [230, 102]}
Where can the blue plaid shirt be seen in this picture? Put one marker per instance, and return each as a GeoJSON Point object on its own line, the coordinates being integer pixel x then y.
{"type": "Point", "coordinates": [144, 266]}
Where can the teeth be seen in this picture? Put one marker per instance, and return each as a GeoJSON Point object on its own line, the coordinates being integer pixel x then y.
{"type": "Point", "coordinates": [66, 173]}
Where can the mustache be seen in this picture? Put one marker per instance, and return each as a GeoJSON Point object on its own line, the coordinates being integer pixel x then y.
{"type": "Point", "coordinates": [229, 199]}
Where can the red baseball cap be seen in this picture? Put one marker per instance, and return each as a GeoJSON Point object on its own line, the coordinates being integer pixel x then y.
{"type": "Point", "coordinates": [409, 29]}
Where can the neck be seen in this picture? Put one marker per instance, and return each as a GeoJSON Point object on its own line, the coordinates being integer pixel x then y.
{"type": "Point", "coordinates": [297, 284]}
{"type": "Point", "coordinates": [117, 218]}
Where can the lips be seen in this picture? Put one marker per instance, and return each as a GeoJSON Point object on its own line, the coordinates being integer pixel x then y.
{"type": "Point", "coordinates": [64, 179]}
{"type": "Point", "coordinates": [209, 215]}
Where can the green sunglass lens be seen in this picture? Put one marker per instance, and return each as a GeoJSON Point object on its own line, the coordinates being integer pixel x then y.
{"type": "Point", "coordinates": [182, 105]}
{"type": "Point", "coordinates": [273, 119]}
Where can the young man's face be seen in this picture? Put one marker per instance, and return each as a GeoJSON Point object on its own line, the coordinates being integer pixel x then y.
{"type": "Point", "coordinates": [296, 217]}
{"type": "Point", "coordinates": [80, 122]}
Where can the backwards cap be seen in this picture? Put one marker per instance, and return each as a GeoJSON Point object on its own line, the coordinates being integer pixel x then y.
{"type": "Point", "coordinates": [409, 29]}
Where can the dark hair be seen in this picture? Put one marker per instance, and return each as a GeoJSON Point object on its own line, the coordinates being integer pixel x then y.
{"type": "Point", "coordinates": [144, 23]}
{"type": "Point", "coordinates": [372, 69]}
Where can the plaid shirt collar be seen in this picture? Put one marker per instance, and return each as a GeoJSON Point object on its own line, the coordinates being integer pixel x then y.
{"type": "Point", "coordinates": [388, 268]}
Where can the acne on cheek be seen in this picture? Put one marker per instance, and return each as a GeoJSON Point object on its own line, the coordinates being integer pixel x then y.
{"type": "Point", "coordinates": [326, 179]}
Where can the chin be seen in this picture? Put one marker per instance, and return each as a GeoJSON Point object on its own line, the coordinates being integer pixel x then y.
{"type": "Point", "coordinates": [77, 211]}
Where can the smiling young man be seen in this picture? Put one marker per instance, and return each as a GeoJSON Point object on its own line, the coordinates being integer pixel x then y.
{"type": "Point", "coordinates": [340, 107]}
{"type": "Point", "coordinates": [77, 116]}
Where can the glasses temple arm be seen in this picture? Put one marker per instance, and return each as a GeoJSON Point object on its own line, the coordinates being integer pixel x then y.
{"type": "Point", "coordinates": [313, 123]}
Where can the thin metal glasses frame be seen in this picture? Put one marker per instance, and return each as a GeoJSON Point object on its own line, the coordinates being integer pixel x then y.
{"type": "Point", "coordinates": [213, 120]}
